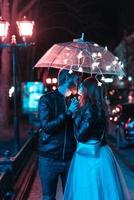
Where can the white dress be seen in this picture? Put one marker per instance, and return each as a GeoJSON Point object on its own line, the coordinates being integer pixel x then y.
{"type": "Point", "coordinates": [95, 178]}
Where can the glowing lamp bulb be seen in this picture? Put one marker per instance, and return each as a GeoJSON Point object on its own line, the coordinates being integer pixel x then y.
{"type": "Point", "coordinates": [25, 27]}
{"type": "Point", "coordinates": [4, 26]}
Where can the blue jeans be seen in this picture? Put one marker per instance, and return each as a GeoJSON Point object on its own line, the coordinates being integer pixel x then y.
{"type": "Point", "coordinates": [49, 171]}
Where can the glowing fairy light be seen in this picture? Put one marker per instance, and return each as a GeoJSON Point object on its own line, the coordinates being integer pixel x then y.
{"type": "Point", "coordinates": [96, 45]}
{"type": "Point", "coordinates": [103, 78]}
{"type": "Point", "coordinates": [108, 67]}
{"type": "Point", "coordinates": [122, 66]}
{"type": "Point", "coordinates": [80, 69]}
{"type": "Point", "coordinates": [67, 48]}
{"type": "Point", "coordinates": [95, 64]}
{"type": "Point", "coordinates": [94, 55]}
{"type": "Point", "coordinates": [116, 58]}
{"type": "Point", "coordinates": [65, 61]}
{"type": "Point", "coordinates": [105, 48]}
{"type": "Point", "coordinates": [11, 91]}
{"type": "Point", "coordinates": [119, 63]}
{"type": "Point", "coordinates": [120, 77]}
{"type": "Point", "coordinates": [99, 83]}
{"type": "Point", "coordinates": [99, 55]}
{"type": "Point", "coordinates": [80, 55]}
{"type": "Point", "coordinates": [70, 71]}
{"type": "Point", "coordinates": [92, 67]}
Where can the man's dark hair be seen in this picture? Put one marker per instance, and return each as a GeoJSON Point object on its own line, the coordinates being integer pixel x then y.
{"type": "Point", "coordinates": [63, 75]}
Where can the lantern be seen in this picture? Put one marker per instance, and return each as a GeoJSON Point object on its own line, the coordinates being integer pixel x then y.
{"type": "Point", "coordinates": [4, 26]}
{"type": "Point", "coordinates": [25, 28]}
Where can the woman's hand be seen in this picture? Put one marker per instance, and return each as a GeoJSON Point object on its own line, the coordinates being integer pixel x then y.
{"type": "Point", "coordinates": [74, 105]}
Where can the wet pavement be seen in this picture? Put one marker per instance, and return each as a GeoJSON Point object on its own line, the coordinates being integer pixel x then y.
{"type": "Point", "coordinates": [128, 174]}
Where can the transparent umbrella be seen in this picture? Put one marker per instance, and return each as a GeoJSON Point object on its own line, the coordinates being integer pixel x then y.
{"type": "Point", "coordinates": [82, 56]}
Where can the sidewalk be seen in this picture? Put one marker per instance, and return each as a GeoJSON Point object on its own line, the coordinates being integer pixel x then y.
{"type": "Point", "coordinates": [36, 192]}
{"type": "Point", "coordinates": [128, 175]}
{"type": "Point", "coordinates": [127, 154]}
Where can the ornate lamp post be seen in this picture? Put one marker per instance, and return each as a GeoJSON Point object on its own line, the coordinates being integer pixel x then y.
{"type": "Point", "coordinates": [25, 31]}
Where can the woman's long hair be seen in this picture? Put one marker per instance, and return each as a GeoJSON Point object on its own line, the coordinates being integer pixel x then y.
{"type": "Point", "coordinates": [94, 94]}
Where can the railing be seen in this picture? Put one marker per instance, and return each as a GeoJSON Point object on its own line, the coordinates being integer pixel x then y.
{"type": "Point", "coordinates": [19, 171]}
{"type": "Point", "coordinates": [6, 185]}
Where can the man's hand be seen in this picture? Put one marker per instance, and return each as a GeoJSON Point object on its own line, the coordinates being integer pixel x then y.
{"type": "Point", "coordinates": [74, 105]}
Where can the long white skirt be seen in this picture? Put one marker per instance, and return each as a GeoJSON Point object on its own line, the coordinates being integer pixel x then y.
{"type": "Point", "coordinates": [95, 178]}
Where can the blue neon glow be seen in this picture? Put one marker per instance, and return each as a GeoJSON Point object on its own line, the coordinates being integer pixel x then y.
{"type": "Point", "coordinates": [31, 93]}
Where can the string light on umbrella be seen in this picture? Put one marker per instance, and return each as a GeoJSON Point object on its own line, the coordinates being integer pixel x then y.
{"type": "Point", "coordinates": [82, 56]}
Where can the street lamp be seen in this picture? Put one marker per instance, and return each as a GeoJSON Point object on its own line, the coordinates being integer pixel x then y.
{"type": "Point", "coordinates": [25, 31]}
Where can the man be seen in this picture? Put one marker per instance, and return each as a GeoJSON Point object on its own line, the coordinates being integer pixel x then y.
{"type": "Point", "coordinates": [57, 142]}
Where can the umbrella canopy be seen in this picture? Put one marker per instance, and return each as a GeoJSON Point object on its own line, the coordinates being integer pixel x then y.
{"type": "Point", "coordinates": [82, 56]}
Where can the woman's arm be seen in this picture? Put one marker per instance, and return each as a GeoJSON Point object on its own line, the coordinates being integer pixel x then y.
{"type": "Point", "coordinates": [82, 125]}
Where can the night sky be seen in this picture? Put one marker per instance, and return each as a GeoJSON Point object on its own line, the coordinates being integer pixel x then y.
{"type": "Point", "coordinates": [102, 21]}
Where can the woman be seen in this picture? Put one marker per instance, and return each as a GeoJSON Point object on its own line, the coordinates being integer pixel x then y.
{"type": "Point", "coordinates": [93, 177]}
